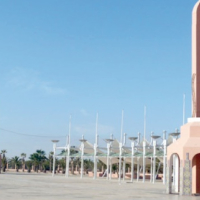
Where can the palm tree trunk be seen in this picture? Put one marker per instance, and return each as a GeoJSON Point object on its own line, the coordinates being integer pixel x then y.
{"type": "Point", "coordinates": [23, 166]}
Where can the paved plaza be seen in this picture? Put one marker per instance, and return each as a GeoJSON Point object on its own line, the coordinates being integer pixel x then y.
{"type": "Point", "coordinates": [21, 186]}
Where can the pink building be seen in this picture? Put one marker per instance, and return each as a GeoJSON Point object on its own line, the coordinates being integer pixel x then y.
{"type": "Point", "coordinates": [183, 171]}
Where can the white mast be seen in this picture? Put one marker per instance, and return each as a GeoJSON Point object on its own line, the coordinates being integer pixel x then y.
{"type": "Point", "coordinates": [144, 123]}
{"type": "Point", "coordinates": [69, 129]}
{"type": "Point", "coordinates": [122, 126]}
{"type": "Point", "coordinates": [96, 138]}
{"type": "Point", "coordinates": [68, 149]}
{"type": "Point", "coordinates": [95, 149]}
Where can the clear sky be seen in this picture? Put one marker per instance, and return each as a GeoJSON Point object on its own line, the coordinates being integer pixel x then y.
{"type": "Point", "coordinates": [82, 57]}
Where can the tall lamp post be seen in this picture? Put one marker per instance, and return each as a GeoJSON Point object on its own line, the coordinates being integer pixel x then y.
{"type": "Point", "coordinates": [132, 139]}
{"type": "Point", "coordinates": [54, 155]}
{"type": "Point", "coordinates": [82, 153]}
{"type": "Point", "coordinates": [164, 156]}
{"type": "Point", "coordinates": [108, 141]}
{"type": "Point", "coordinates": [154, 137]}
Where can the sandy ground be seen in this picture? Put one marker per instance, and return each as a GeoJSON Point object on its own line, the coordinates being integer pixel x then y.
{"type": "Point", "coordinates": [21, 186]}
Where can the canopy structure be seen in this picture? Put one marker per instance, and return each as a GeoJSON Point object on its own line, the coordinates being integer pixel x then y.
{"type": "Point", "coordinates": [140, 153]}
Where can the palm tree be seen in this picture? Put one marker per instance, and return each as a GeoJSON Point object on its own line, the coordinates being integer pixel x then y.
{"type": "Point", "coordinates": [77, 163]}
{"type": "Point", "coordinates": [4, 160]}
{"type": "Point", "coordinates": [4, 163]}
{"type": "Point", "coordinates": [88, 165]}
{"type": "Point", "coordinates": [16, 160]}
{"type": "Point", "coordinates": [23, 156]}
{"type": "Point", "coordinates": [101, 166]}
{"type": "Point", "coordinates": [42, 157]}
{"type": "Point", "coordinates": [35, 160]}
{"type": "Point", "coordinates": [38, 158]}
{"type": "Point", "coordinates": [62, 163]}
{"type": "Point", "coordinates": [29, 165]}
{"type": "Point", "coordinates": [3, 152]}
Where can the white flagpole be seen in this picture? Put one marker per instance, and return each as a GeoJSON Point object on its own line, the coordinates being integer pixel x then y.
{"type": "Point", "coordinates": [122, 126]}
{"type": "Point", "coordinates": [95, 149]}
{"type": "Point", "coordinates": [144, 123]}
{"type": "Point", "coordinates": [68, 149]}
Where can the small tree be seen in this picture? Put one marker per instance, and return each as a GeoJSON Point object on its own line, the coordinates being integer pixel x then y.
{"type": "Point", "coordinates": [29, 165]}
{"type": "Point", "coordinates": [45, 166]}
{"type": "Point", "coordinates": [3, 160]}
{"type": "Point", "coordinates": [23, 156]}
{"type": "Point", "coordinates": [4, 163]}
{"type": "Point", "coordinates": [16, 160]}
{"type": "Point", "coordinates": [62, 163]}
{"type": "Point", "coordinates": [38, 158]}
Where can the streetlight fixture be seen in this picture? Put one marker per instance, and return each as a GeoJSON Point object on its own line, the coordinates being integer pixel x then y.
{"type": "Point", "coordinates": [108, 141]}
{"type": "Point", "coordinates": [82, 153]}
{"type": "Point", "coordinates": [154, 137]}
{"type": "Point", "coordinates": [54, 155]}
{"type": "Point", "coordinates": [132, 139]}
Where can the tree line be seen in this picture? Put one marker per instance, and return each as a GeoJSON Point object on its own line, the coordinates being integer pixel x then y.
{"type": "Point", "coordinates": [39, 161]}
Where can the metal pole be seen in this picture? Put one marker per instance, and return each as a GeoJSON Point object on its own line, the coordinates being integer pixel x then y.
{"type": "Point", "coordinates": [144, 123]}
{"type": "Point", "coordinates": [120, 161]}
{"type": "Point", "coordinates": [164, 156]}
{"type": "Point", "coordinates": [151, 170]}
{"type": "Point", "coordinates": [82, 166]}
{"type": "Point", "coordinates": [122, 125]}
{"type": "Point", "coordinates": [124, 169]}
{"type": "Point", "coordinates": [82, 154]}
{"type": "Point", "coordinates": [154, 160]}
{"type": "Point", "coordinates": [138, 138]}
{"type": "Point", "coordinates": [95, 170]}
{"type": "Point", "coordinates": [124, 142]}
{"type": "Point", "coordinates": [67, 163]}
{"type": "Point", "coordinates": [138, 176]}
{"type": "Point", "coordinates": [54, 158]}
{"type": "Point", "coordinates": [69, 130]}
{"type": "Point", "coordinates": [68, 149]}
{"type": "Point", "coordinates": [144, 160]}
{"type": "Point", "coordinates": [95, 148]}
{"type": "Point", "coordinates": [132, 161]}
{"type": "Point", "coordinates": [66, 169]}
{"type": "Point", "coordinates": [110, 168]}
{"type": "Point", "coordinates": [67, 158]}
{"type": "Point", "coordinates": [107, 160]}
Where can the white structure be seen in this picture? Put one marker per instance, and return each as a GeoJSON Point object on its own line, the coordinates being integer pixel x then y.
{"type": "Point", "coordinates": [141, 153]}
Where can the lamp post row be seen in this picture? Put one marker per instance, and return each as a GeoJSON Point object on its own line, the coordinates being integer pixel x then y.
{"type": "Point", "coordinates": [121, 145]}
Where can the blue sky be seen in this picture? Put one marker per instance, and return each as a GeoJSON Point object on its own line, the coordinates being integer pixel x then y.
{"type": "Point", "coordinates": [82, 57]}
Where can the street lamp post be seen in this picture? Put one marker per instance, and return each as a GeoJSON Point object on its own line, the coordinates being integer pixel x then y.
{"type": "Point", "coordinates": [154, 137]}
{"type": "Point", "coordinates": [82, 154]}
{"type": "Point", "coordinates": [108, 141]}
{"type": "Point", "coordinates": [54, 155]}
{"type": "Point", "coordinates": [132, 139]}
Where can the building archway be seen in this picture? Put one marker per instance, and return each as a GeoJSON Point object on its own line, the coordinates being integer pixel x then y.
{"type": "Point", "coordinates": [196, 174]}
